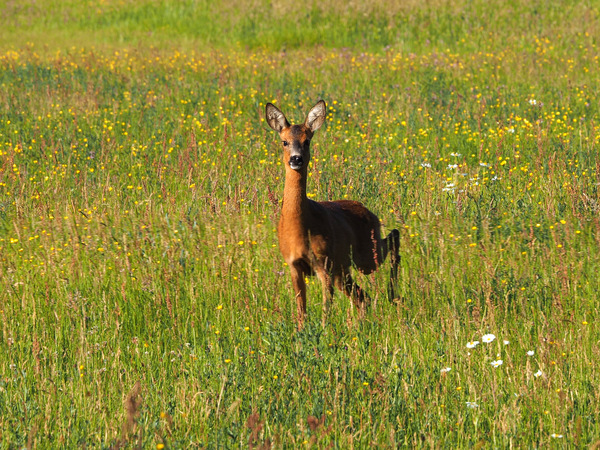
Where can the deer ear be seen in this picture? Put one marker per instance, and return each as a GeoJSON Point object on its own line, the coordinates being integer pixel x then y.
{"type": "Point", "coordinates": [275, 118]}
{"type": "Point", "coordinates": [316, 116]}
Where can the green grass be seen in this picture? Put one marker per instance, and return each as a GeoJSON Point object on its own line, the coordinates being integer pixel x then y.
{"type": "Point", "coordinates": [140, 189]}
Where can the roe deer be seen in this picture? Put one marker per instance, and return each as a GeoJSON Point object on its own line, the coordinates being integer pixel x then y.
{"type": "Point", "coordinates": [325, 237]}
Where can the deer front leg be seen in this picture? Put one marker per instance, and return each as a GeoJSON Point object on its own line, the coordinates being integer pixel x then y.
{"type": "Point", "coordinates": [360, 298]}
{"type": "Point", "coordinates": [325, 279]}
{"type": "Point", "coordinates": [299, 285]}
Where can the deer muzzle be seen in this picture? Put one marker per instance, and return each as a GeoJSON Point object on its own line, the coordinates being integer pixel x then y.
{"type": "Point", "coordinates": [296, 162]}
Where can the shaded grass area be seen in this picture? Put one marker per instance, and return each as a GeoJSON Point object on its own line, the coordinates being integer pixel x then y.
{"type": "Point", "coordinates": [140, 189]}
{"type": "Point", "coordinates": [411, 26]}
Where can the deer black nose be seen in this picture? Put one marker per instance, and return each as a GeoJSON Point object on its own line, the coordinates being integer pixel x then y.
{"type": "Point", "coordinates": [296, 162]}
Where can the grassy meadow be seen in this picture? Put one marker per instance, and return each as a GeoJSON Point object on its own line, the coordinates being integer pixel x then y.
{"type": "Point", "coordinates": [143, 299]}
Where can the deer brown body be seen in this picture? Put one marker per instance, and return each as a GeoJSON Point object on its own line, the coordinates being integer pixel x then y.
{"type": "Point", "coordinates": [324, 238]}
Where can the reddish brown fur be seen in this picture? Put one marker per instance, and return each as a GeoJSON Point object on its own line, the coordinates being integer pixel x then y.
{"type": "Point", "coordinates": [324, 237]}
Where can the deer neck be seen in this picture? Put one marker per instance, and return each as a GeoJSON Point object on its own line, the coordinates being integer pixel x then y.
{"type": "Point", "coordinates": [295, 201]}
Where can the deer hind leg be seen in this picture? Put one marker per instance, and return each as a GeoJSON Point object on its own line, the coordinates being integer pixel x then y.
{"type": "Point", "coordinates": [391, 245]}
{"type": "Point", "coordinates": [325, 278]}
{"type": "Point", "coordinates": [298, 273]}
{"type": "Point", "coordinates": [359, 297]}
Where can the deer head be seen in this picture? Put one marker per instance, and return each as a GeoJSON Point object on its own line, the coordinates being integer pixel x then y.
{"type": "Point", "coordinates": [296, 138]}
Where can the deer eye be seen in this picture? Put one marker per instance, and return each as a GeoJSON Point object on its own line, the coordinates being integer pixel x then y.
{"type": "Point", "coordinates": [285, 143]}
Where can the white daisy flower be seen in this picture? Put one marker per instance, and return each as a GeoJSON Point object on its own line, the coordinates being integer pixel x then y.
{"type": "Point", "coordinates": [487, 338]}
